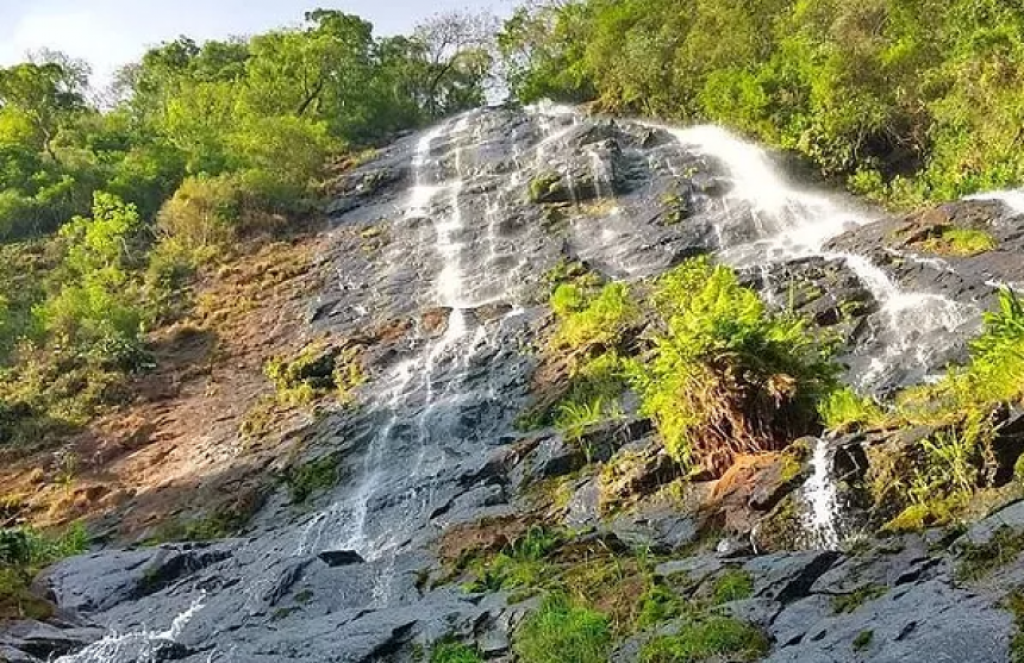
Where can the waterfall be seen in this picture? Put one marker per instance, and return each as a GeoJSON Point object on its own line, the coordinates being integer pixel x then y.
{"type": "Point", "coordinates": [793, 223]}
{"type": "Point", "coordinates": [821, 496]}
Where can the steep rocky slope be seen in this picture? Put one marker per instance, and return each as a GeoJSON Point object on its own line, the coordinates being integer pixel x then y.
{"type": "Point", "coordinates": [433, 308]}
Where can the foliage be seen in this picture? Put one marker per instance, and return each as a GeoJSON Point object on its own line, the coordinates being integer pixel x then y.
{"type": "Point", "coordinates": [303, 481]}
{"type": "Point", "coordinates": [454, 652]}
{"type": "Point", "coordinates": [727, 376]}
{"type": "Point", "coordinates": [200, 147]}
{"type": "Point", "coordinates": [561, 632]}
{"type": "Point", "coordinates": [908, 100]}
{"type": "Point", "coordinates": [314, 372]}
{"type": "Point", "coordinates": [597, 320]}
{"type": "Point", "coordinates": [23, 553]}
{"type": "Point", "coordinates": [844, 408]}
{"type": "Point", "coordinates": [863, 640]}
{"type": "Point", "coordinates": [733, 585]}
{"type": "Point", "coordinates": [960, 242]}
{"type": "Point", "coordinates": [977, 560]}
{"type": "Point", "coordinates": [706, 638]}
{"type": "Point", "coordinates": [844, 603]}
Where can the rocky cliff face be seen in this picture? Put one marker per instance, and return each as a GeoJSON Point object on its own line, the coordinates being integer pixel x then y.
{"type": "Point", "coordinates": [443, 299]}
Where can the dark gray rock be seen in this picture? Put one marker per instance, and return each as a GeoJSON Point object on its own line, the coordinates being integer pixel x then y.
{"type": "Point", "coordinates": [340, 557]}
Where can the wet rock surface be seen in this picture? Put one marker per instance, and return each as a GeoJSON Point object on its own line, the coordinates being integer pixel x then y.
{"type": "Point", "coordinates": [460, 225]}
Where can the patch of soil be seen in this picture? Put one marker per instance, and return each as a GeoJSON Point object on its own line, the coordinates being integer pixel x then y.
{"type": "Point", "coordinates": [177, 449]}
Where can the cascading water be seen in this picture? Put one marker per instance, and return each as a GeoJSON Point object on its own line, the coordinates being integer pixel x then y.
{"type": "Point", "coordinates": [821, 494]}
{"type": "Point", "coordinates": [792, 223]}
{"type": "Point", "coordinates": [139, 647]}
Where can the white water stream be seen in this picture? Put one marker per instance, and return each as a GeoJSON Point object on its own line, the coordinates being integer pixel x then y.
{"type": "Point", "coordinates": [140, 647]}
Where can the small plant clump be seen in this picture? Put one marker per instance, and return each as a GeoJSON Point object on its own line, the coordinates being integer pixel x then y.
{"type": "Point", "coordinates": [962, 242]}
{"type": "Point", "coordinates": [304, 481]}
{"type": "Point", "coordinates": [451, 651]}
{"type": "Point", "coordinates": [315, 372]}
{"type": "Point", "coordinates": [545, 187]}
{"type": "Point", "coordinates": [563, 631]}
{"type": "Point", "coordinates": [978, 560]}
{"type": "Point", "coordinates": [846, 603]}
{"type": "Point", "coordinates": [727, 376]}
{"type": "Point", "coordinates": [863, 640]}
{"type": "Point", "coordinates": [733, 585]}
{"type": "Point", "coordinates": [706, 638]}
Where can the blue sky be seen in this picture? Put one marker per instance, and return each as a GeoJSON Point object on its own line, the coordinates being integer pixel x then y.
{"type": "Point", "coordinates": [109, 33]}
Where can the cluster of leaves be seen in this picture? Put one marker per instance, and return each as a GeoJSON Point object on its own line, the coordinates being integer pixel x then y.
{"type": "Point", "coordinates": [727, 376]}
{"type": "Point", "coordinates": [107, 210]}
{"type": "Point", "coordinates": [717, 372]}
{"type": "Point", "coordinates": [909, 100]}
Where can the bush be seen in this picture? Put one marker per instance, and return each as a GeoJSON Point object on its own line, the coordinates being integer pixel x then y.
{"type": "Point", "coordinates": [23, 553]}
{"type": "Point", "coordinates": [560, 632]}
{"type": "Point", "coordinates": [844, 408]}
{"type": "Point", "coordinates": [204, 212]}
{"type": "Point", "coordinates": [727, 376]}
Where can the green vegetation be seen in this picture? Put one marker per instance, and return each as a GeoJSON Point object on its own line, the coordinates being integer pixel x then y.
{"type": "Point", "coordinates": [545, 186]}
{"type": "Point", "coordinates": [863, 640]}
{"type": "Point", "coordinates": [449, 651]}
{"type": "Point", "coordinates": [587, 320]}
{"type": "Point", "coordinates": [976, 561]}
{"type": "Point", "coordinates": [304, 481]}
{"type": "Point", "coordinates": [316, 371]}
{"type": "Point", "coordinates": [107, 213]}
{"type": "Point", "coordinates": [711, 637]}
{"type": "Point", "coordinates": [1015, 604]}
{"type": "Point", "coordinates": [733, 585]}
{"type": "Point", "coordinates": [845, 408]}
{"type": "Point", "coordinates": [727, 376]}
{"type": "Point", "coordinates": [23, 553]}
{"type": "Point", "coordinates": [717, 371]}
{"type": "Point", "coordinates": [960, 242]}
{"type": "Point", "coordinates": [937, 479]}
{"type": "Point", "coordinates": [844, 603]}
{"type": "Point", "coordinates": [907, 101]}
{"type": "Point", "coordinates": [562, 631]}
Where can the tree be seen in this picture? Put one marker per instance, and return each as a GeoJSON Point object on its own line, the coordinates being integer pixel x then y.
{"type": "Point", "coordinates": [47, 95]}
{"type": "Point", "coordinates": [456, 48]}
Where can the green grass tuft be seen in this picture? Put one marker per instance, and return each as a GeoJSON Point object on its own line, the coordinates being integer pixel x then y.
{"type": "Point", "coordinates": [705, 639]}
{"type": "Point", "coordinates": [449, 651]}
{"type": "Point", "coordinates": [733, 585]}
{"type": "Point", "coordinates": [561, 632]}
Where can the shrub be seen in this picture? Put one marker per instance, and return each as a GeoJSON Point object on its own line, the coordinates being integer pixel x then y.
{"type": "Point", "coordinates": [204, 212]}
{"type": "Point", "coordinates": [561, 632]}
{"type": "Point", "coordinates": [23, 553]}
{"type": "Point", "coordinates": [733, 585]}
{"type": "Point", "coordinates": [593, 396]}
{"type": "Point", "coordinates": [727, 376]}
